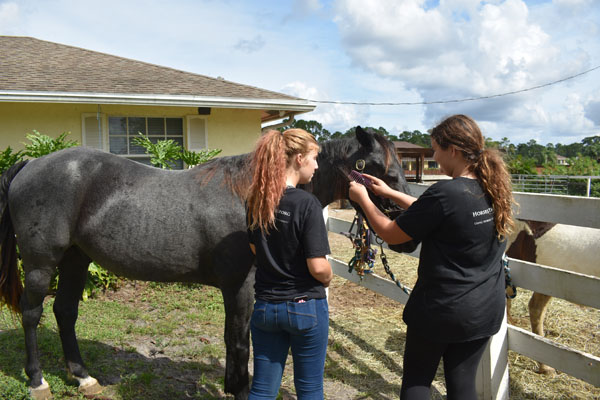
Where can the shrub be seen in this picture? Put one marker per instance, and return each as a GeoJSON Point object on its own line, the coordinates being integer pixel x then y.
{"type": "Point", "coordinates": [164, 153]}
{"type": "Point", "coordinates": [8, 159]}
{"type": "Point", "coordinates": [42, 144]}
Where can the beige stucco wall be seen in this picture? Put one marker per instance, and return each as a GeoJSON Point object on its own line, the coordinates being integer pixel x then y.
{"type": "Point", "coordinates": [232, 130]}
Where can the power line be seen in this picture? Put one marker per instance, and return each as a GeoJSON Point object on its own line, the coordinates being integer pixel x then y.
{"type": "Point", "coordinates": [455, 100]}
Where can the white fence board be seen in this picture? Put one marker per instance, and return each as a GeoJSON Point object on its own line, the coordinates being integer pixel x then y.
{"type": "Point", "coordinates": [572, 362]}
{"type": "Point", "coordinates": [336, 225]}
{"type": "Point", "coordinates": [569, 210]}
{"type": "Point", "coordinates": [574, 287]}
{"type": "Point", "coordinates": [373, 282]}
{"type": "Point", "coordinates": [571, 286]}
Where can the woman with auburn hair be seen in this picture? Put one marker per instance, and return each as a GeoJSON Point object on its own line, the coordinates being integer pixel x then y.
{"type": "Point", "coordinates": [458, 301]}
{"type": "Point", "coordinates": [288, 235]}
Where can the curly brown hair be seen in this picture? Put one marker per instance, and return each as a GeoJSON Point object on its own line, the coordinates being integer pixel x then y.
{"type": "Point", "coordinates": [487, 165]}
{"type": "Point", "coordinates": [274, 152]}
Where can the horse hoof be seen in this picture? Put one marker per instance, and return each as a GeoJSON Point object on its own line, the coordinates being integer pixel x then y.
{"type": "Point", "coordinates": [41, 392]}
{"type": "Point", "coordinates": [89, 386]}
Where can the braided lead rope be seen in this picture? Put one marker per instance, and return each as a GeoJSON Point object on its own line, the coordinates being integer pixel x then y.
{"type": "Point", "coordinates": [364, 255]}
{"type": "Point", "coordinates": [386, 266]}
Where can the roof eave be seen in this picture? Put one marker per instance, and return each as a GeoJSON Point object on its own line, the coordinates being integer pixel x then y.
{"type": "Point", "coordinates": [157, 100]}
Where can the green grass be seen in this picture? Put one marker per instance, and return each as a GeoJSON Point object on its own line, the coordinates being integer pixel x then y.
{"type": "Point", "coordinates": [150, 341]}
{"type": "Point", "coordinates": [157, 341]}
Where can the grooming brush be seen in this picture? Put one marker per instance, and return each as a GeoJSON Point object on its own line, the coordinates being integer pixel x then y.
{"type": "Point", "coordinates": [360, 178]}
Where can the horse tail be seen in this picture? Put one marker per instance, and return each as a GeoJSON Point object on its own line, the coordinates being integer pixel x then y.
{"type": "Point", "coordinates": [11, 287]}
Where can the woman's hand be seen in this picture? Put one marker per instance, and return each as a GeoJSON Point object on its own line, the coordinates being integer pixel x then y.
{"type": "Point", "coordinates": [357, 192]}
{"type": "Point", "coordinates": [379, 187]}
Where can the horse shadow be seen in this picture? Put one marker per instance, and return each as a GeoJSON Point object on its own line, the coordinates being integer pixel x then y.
{"type": "Point", "coordinates": [125, 373]}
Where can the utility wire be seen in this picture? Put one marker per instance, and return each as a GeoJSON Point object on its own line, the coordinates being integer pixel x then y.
{"type": "Point", "coordinates": [455, 100]}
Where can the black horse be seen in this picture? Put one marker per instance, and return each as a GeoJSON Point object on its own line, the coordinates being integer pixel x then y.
{"type": "Point", "coordinates": [77, 205]}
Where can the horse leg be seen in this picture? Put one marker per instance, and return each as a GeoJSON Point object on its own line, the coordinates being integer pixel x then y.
{"type": "Point", "coordinates": [537, 311]}
{"type": "Point", "coordinates": [37, 283]}
{"type": "Point", "coordinates": [73, 270]}
{"type": "Point", "coordinates": [238, 309]}
{"type": "Point", "coordinates": [509, 317]}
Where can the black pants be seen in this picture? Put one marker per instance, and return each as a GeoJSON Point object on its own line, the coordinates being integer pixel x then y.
{"type": "Point", "coordinates": [422, 357]}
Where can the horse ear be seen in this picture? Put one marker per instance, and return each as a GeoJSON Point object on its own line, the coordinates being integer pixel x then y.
{"type": "Point", "coordinates": [365, 138]}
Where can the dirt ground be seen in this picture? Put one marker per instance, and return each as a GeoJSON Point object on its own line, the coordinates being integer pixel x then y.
{"type": "Point", "coordinates": [366, 343]}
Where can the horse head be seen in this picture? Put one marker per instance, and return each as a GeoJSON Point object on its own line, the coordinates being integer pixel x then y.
{"type": "Point", "coordinates": [367, 152]}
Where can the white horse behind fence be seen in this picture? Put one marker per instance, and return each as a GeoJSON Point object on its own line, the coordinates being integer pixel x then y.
{"type": "Point", "coordinates": [566, 247]}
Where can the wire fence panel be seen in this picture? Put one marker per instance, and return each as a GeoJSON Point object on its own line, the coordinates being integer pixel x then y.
{"type": "Point", "coordinates": [557, 184]}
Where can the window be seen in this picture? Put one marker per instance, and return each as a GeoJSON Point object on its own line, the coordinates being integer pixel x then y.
{"type": "Point", "coordinates": [115, 133]}
{"type": "Point", "coordinates": [122, 130]}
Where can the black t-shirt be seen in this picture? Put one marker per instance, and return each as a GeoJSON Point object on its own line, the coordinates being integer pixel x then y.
{"type": "Point", "coordinates": [299, 233]}
{"type": "Point", "coordinates": [459, 294]}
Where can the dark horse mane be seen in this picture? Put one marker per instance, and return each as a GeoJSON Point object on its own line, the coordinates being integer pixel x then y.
{"type": "Point", "coordinates": [237, 174]}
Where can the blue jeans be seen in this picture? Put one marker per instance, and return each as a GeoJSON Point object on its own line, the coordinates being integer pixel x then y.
{"type": "Point", "coordinates": [275, 328]}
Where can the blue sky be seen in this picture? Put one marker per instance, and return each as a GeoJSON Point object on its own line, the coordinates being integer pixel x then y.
{"type": "Point", "coordinates": [372, 51]}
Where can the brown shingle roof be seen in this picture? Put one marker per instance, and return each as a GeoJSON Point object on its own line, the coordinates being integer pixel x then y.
{"type": "Point", "coordinates": [407, 148]}
{"type": "Point", "coordinates": [33, 65]}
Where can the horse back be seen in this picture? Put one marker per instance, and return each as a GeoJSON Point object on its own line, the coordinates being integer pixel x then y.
{"type": "Point", "coordinates": [138, 221]}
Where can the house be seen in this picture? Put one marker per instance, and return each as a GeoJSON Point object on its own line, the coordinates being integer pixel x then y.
{"type": "Point", "coordinates": [416, 160]}
{"type": "Point", "coordinates": [562, 160]}
{"type": "Point", "coordinates": [105, 100]}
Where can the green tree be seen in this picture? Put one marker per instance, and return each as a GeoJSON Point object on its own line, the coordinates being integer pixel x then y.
{"type": "Point", "coordinates": [313, 127]}
{"type": "Point", "coordinates": [415, 137]}
{"type": "Point", "coordinates": [521, 165]}
{"type": "Point", "coordinates": [591, 147]}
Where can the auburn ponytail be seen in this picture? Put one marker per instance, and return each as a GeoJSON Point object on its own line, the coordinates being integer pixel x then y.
{"type": "Point", "coordinates": [273, 154]}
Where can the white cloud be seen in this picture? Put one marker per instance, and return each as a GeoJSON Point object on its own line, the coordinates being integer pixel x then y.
{"type": "Point", "coordinates": [592, 111]}
{"type": "Point", "coordinates": [466, 48]}
{"type": "Point", "coordinates": [9, 18]}
{"type": "Point", "coordinates": [361, 51]}
{"type": "Point", "coordinates": [332, 116]}
{"type": "Point", "coordinates": [250, 46]}
{"type": "Point", "coordinates": [306, 7]}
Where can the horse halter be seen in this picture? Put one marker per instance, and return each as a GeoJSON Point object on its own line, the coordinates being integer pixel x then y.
{"type": "Point", "coordinates": [360, 164]}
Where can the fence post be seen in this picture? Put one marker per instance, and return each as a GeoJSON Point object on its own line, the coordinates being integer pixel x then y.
{"type": "Point", "coordinates": [492, 373]}
{"type": "Point", "coordinates": [589, 186]}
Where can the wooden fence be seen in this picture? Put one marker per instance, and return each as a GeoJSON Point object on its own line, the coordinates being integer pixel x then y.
{"type": "Point", "coordinates": [492, 377]}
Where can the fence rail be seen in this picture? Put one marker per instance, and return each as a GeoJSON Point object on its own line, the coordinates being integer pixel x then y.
{"type": "Point", "coordinates": [583, 289]}
{"type": "Point", "coordinates": [555, 184]}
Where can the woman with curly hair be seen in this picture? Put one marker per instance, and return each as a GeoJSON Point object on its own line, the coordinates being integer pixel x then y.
{"type": "Point", "coordinates": [458, 301]}
{"type": "Point", "coordinates": [288, 235]}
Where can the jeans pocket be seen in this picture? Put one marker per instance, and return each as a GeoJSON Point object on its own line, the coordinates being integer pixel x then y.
{"type": "Point", "coordinates": [302, 316]}
{"type": "Point", "coordinates": [259, 315]}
